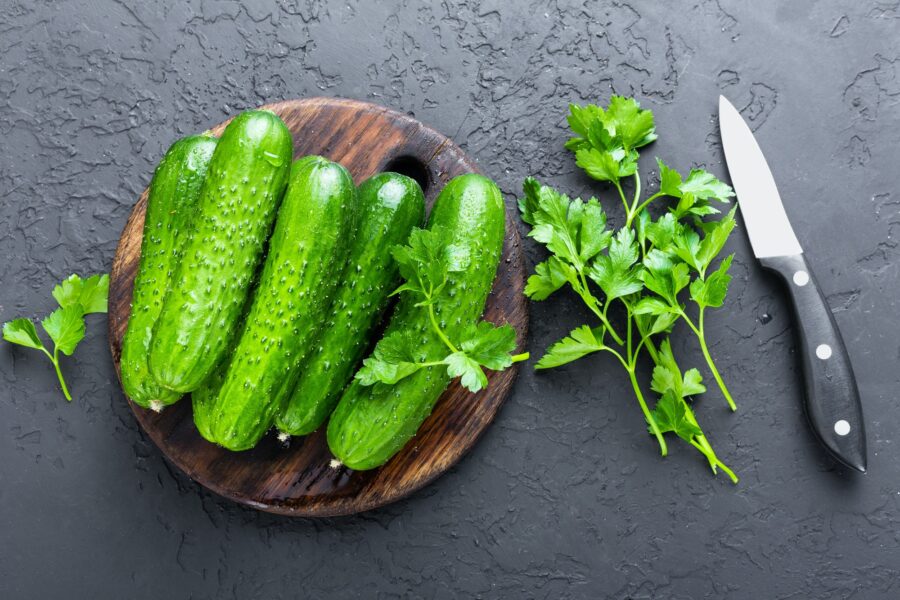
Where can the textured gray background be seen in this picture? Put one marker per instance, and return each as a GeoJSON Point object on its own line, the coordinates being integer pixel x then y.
{"type": "Point", "coordinates": [565, 497]}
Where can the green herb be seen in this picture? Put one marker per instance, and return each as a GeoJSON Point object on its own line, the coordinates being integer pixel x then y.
{"type": "Point", "coordinates": [644, 269]}
{"type": "Point", "coordinates": [425, 265]}
{"type": "Point", "coordinates": [76, 297]}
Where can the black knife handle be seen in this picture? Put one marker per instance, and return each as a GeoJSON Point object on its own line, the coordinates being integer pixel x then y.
{"type": "Point", "coordinates": [832, 398]}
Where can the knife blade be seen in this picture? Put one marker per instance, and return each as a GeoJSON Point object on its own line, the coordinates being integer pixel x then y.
{"type": "Point", "coordinates": [832, 400]}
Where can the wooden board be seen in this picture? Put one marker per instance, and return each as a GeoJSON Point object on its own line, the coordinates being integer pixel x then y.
{"type": "Point", "coordinates": [298, 480]}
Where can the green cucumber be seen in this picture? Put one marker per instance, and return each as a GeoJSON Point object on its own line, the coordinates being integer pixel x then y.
{"type": "Point", "coordinates": [240, 196]}
{"type": "Point", "coordinates": [174, 192]}
{"type": "Point", "coordinates": [202, 402]}
{"type": "Point", "coordinates": [372, 423]}
{"type": "Point", "coordinates": [290, 305]}
{"type": "Point", "coordinates": [390, 205]}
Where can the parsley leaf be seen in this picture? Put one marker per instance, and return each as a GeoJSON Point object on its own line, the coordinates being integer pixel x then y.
{"type": "Point", "coordinates": [712, 291]}
{"type": "Point", "coordinates": [489, 345]}
{"type": "Point", "coordinates": [580, 342]}
{"type": "Point", "coordinates": [460, 364]}
{"type": "Point", "coordinates": [671, 416]}
{"type": "Point", "coordinates": [628, 123]}
{"type": "Point", "coordinates": [667, 376]}
{"type": "Point", "coordinates": [65, 326]}
{"type": "Point", "coordinates": [605, 165]}
{"type": "Point", "coordinates": [573, 230]}
{"type": "Point", "coordinates": [616, 272]}
{"type": "Point", "coordinates": [669, 180]}
{"type": "Point", "coordinates": [714, 241]}
{"type": "Point", "coordinates": [23, 333]}
{"type": "Point", "coordinates": [426, 261]}
{"type": "Point", "coordinates": [704, 186]}
{"type": "Point", "coordinates": [693, 193]}
{"type": "Point", "coordinates": [392, 360]}
{"type": "Point", "coordinates": [483, 345]}
{"type": "Point", "coordinates": [663, 277]}
{"type": "Point", "coordinates": [548, 277]}
{"type": "Point", "coordinates": [664, 231]}
{"type": "Point", "coordinates": [90, 293]}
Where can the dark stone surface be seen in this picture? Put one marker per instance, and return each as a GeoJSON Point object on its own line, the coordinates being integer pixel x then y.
{"type": "Point", "coordinates": [565, 497]}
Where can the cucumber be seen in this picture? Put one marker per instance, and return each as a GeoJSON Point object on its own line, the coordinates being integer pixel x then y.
{"type": "Point", "coordinates": [174, 192]}
{"type": "Point", "coordinates": [240, 196]}
{"type": "Point", "coordinates": [290, 305]}
{"type": "Point", "coordinates": [372, 423]}
{"type": "Point", "coordinates": [202, 402]}
{"type": "Point", "coordinates": [390, 205]}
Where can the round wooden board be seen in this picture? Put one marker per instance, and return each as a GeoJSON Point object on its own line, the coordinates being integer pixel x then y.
{"type": "Point", "coordinates": [298, 480]}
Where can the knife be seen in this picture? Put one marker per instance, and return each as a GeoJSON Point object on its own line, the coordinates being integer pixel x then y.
{"type": "Point", "coordinates": [832, 398]}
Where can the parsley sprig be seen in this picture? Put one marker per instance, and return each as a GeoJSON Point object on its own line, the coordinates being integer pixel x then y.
{"type": "Point", "coordinates": [644, 270]}
{"type": "Point", "coordinates": [425, 265]}
{"type": "Point", "coordinates": [76, 297]}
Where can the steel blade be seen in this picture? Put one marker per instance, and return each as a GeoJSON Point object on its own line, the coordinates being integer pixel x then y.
{"type": "Point", "coordinates": [768, 227]}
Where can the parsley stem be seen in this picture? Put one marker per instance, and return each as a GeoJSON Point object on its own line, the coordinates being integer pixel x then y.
{"type": "Point", "coordinates": [712, 365]}
{"type": "Point", "coordinates": [647, 202]}
{"type": "Point", "coordinates": [632, 359]}
{"type": "Point", "coordinates": [632, 212]}
{"type": "Point", "coordinates": [702, 443]}
{"type": "Point", "coordinates": [624, 201]}
{"type": "Point", "coordinates": [617, 355]}
{"type": "Point", "coordinates": [648, 343]}
{"type": "Point", "coordinates": [591, 303]}
{"type": "Point", "coordinates": [438, 330]}
{"type": "Point", "coordinates": [663, 449]}
{"type": "Point", "coordinates": [520, 357]}
{"type": "Point", "coordinates": [712, 458]}
{"type": "Point", "coordinates": [701, 337]}
{"type": "Point", "coordinates": [62, 382]}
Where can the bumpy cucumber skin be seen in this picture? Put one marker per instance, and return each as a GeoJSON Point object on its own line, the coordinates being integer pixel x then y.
{"type": "Point", "coordinates": [372, 423]}
{"type": "Point", "coordinates": [240, 196]}
{"type": "Point", "coordinates": [174, 192]}
{"type": "Point", "coordinates": [390, 205]}
{"type": "Point", "coordinates": [203, 401]}
{"type": "Point", "coordinates": [290, 306]}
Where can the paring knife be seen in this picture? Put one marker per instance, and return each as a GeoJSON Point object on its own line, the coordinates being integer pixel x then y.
{"type": "Point", "coordinates": [832, 398]}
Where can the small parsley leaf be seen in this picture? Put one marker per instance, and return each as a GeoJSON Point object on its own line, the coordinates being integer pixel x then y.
{"type": "Point", "coordinates": [712, 291]}
{"type": "Point", "coordinates": [65, 326]}
{"type": "Point", "coordinates": [671, 416]}
{"type": "Point", "coordinates": [548, 277]}
{"type": "Point", "coordinates": [426, 261]}
{"type": "Point", "coordinates": [23, 333]}
{"type": "Point", "coordinates": [616, 272]}
{"type": "Point", "coordinates": [580, 342]}
{"type": "Point", "coordinates": [605, 165]}
{"type": "Point", "coordinates": [90, 293]}
{"type": "Point", "coordinates": [489, 345]}
{"type": "Point", "coordinates": [392, 360]}
{"type": "Point", "coordinates": [459, 364]}
{"type": "Point", "coordinates": [629, 123]}
{"type": "Point", "coordinates": [704, 186]}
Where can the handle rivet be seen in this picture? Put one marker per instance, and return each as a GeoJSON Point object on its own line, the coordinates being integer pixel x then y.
{"type": "Point", "coordinates": [823, 351]}
{"type": "Point", "coordinates": [842, 427]}
{"type": "Point", "coordinates": [801, 278]}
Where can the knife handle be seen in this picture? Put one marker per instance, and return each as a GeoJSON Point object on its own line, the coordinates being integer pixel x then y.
{"type": "Point", "coordinates": [832, 398]}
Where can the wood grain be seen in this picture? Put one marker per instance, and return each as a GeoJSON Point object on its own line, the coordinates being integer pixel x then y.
{"type": "Point", "coordinates": [298, 480]}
